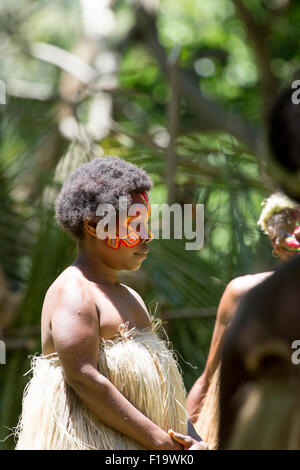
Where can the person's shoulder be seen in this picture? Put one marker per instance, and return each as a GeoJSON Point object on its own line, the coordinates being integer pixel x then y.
{"type": "Point", "coordinates": [69, 279]}
{"type": "Point", "coordinates": [69, 288]}
{"type": "Point", "coordinates": [242, 284]}
{"type": "Point", "coordinates": [235, 290]}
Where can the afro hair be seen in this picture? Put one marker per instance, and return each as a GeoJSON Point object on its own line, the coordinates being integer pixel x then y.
{"type": "Point", "coordinates": [100, 181]}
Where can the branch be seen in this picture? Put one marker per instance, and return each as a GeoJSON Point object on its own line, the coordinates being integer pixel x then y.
{"type": "Point", "coordinates": [216, 174]}
{"type": "Point", "coordinates": [207, 312]}
{"type": "Point", "coordinates": [65, 60]}
{"type": "Point", "coordinates": [210, 114]}
{"type": "Point", "coordinates": [173, 119]}
{"type": "Point", "coordinates": [22, 337]}
{"type": "Point", "coordinates": [30, 90]}
{"type": "Point", "coordinates": [13, 344]}
{"type": "Point", "coordinates": [257, 35]}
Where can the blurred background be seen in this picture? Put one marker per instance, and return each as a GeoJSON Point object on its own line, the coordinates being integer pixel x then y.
{"type": "Point", "coordinates": [182, 88]}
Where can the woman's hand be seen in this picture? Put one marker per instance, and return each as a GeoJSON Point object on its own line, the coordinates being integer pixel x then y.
{"type": "Point", "coordinates": [168, 443]}
{"type": "Point", "coordinates": [187, 442]}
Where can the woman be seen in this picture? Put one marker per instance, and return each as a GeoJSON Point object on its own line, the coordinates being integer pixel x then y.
{"type": "Point", "coordinates": [280, 221]}
{"type": "Point", "coordinates": [260, 376]}
{"type": "Point", "coordinates": [106, 379]}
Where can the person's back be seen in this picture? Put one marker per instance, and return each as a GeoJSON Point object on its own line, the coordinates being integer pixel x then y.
{"type": "Point", "coordinates": [260, 375]}
{"type": "Point", "coordinates": [203, 398]}
{"type": "Point", "coordinates": [258, 362]}
{"type": "Point", "coordinates": [280, 221]}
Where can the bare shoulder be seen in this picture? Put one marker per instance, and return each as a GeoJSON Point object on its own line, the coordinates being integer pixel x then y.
{"type": "Point", "coordinates": [234, 291]}
{"type": "Point", "coordinates": [69, 312]}
{"type": "Point", "coordinates": [70, 290]}
{"type": "Point", "coordinates": [240, 285]}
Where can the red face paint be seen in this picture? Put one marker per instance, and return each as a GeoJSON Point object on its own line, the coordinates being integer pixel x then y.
{"type": "Point", "coordinates": [132, 237]}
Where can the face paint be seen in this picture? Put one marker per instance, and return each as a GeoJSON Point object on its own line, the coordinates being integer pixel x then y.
{"type": "Point", "coordinates": [133, 237]}
{"type": "Point", "coordinates": [290, 242]}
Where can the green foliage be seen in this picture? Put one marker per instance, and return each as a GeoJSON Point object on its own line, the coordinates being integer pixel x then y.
{"type": "Point", "coordinates": [212, 168]}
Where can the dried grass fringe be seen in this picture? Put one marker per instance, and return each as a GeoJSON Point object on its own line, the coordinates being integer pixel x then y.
{"type": "Point", "coordinates": [269, 417]}
{"type": "Point", "coordinates": [141, 367]}
{"type": "Point", "coordinates": [207, 424]}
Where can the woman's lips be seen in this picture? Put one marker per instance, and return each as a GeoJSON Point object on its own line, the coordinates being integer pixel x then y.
{"type": "Point", "coordinates": [142, 254]}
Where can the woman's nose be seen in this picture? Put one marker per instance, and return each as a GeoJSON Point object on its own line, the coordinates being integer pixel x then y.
{"type": "Point", "coordinates": [149, 239]}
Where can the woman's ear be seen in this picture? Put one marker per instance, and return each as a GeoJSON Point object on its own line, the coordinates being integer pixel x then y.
{"type": "Point", "coordinates": [90, 227]}
{"type": "Point", "coordinates": [276, 247]}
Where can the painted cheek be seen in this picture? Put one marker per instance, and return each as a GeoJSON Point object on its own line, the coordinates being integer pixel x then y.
{"type": "Point", "coordinates": [133, 238]}
{"type": "Point", "coordinates": [291, 243]}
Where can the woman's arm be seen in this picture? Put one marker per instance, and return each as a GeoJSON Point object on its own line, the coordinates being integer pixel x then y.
{"type": "Point", "coordinates": [226, 309]}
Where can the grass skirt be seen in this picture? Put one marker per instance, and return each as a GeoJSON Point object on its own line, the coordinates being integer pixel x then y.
{"type": "Point", "coordinates": [207, 424]}
{"type": "Point", "coordinates": [137, 362]}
